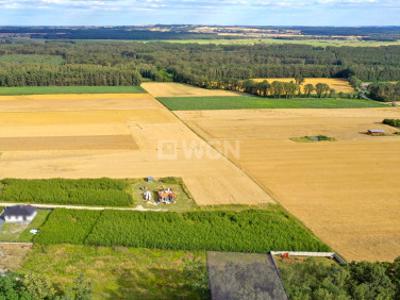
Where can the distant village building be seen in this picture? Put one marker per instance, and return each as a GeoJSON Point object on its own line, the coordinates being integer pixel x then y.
{"type": "Point", "coordinates": [376, 132]}
{"type": "Point", "coordinates": [19, 214]}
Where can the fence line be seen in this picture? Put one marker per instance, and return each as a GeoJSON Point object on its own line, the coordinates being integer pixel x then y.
{"type": "Point", "coordinates": [331, 255]}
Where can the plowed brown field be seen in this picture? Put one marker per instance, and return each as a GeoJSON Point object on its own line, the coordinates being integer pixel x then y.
{"type": "Point", "coordinates": [119, 136]}
{"type": "Point", "coordinates": [347, 191]}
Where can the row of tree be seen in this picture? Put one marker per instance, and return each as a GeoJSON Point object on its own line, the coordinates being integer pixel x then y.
{"type": "Point", "coordinates": [276, 89]}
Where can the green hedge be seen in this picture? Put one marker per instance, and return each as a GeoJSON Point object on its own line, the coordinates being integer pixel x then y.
{"type": "Point", "coordinates": [392, 122]}
{"type": "Point", "coordinates": [67, 226]}
{"type": "Point", "coordinates": [241, 231]}
{"type": "Point", "coordinates": [103, 191]}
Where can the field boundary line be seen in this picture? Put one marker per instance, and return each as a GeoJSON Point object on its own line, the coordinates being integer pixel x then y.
{"type": "Point", "coordinates": [332, 255]}
{"type": "Point", "coordinates": [24, 244]}
{"type": "Point", "coordinates": [236, 165]}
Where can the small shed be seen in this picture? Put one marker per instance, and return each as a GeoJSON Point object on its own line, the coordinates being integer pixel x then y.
{"type": "Point", "coordinates": [19, 214]}
{"type": "Point", "coordinates": [376, 132]}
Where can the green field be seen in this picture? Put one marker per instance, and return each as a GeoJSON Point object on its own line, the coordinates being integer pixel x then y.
{"type": "Point", "coordinates": [32, 59]}
{"type": "Point", "coordinates": [122, 273]}
{"type": "Point", "coordinates": [91, 192]}
{"type": "Point", "coordinates": [43, 90]}
{"type": "Point", "coordinates": [96, 192]}
{"type": "Point", "coordinates": [239, 231]}
{"type": "Point", "coordinates": [67, 226]}
{"type": "Point", "coordinates": [248, 102]}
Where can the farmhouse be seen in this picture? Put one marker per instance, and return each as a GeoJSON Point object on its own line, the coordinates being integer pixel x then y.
{"type": "Point", "coordinates": [19, 214]}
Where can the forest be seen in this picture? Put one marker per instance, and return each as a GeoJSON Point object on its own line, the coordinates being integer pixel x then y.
{"type": "Point", "coordinates": [128, 62]}
{"type": "Point", "coordinates": [384, 91]}
{"type": "Point", "coordinates": [186, 31]}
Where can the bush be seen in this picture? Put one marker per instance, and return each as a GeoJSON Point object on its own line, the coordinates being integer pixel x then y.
{"type": "Point", "coordinates": [103, 191]}
{"type": "Point", "coordinates": [361, 280]}
{"type": "Point", "coordinates": [171, 180]}
{"type": "Point", "coordinates": [244, 231]}
{"type": "Point", "coordinates": [392, 122]}
{"type": "Point", "coordinates": [67, 226]}
{"type": "Point", "coordinates": [34, 287]}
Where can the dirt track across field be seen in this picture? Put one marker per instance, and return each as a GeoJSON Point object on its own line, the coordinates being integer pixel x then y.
{"type": "Point", "coordinates": [171, 89]}
{"type": "Point", "coordinates": [347, 191]}
{"type": "Point", "coordinates": [80, 136]}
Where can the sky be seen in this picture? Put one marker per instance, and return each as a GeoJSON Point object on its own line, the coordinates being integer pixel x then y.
{"type": "Point", "coordinates": [216, 12]}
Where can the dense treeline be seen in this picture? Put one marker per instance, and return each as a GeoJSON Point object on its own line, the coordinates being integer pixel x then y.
{"type": "Point", "coordinates": [358, 280]}
{"type": "Point", "coordinates": [125, 62]}
{"type": "Point", "coordinates": [66, 75]}
{"type": "Point", "coordinates": [100, 192]}
{"type": "Point", "coordinates": [384, 91]}
{"type": "Point", "coordinates": [112, 33]}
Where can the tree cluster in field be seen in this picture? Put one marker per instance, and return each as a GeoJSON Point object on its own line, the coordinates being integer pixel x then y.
{"type": "Point", "coordinates": [34, 287]}
{"type": "Point", "coordinates": [243, 231]}
{"type": "Point", "coordinates": [93, 192]}
{"type": "Point", "coordinates": [384, 91]}
{"type": "Point", "coordinates": [119, 63]}
{"type": "Point", "coordinates": [392, 122]}
{"type": "Point", "coordinates": [279, 89]}
{"type": "Point", "coordinates": [357, 280]}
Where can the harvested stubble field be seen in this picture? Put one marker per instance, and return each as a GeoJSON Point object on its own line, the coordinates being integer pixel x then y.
{"type": "Point", "coordinates": [98, 142]}
{"type": "Point", "coordinates": [347, 191]}
{"type": "Point", "coordinates": [339, 85]}
{"type": "Point", "coordinates": [172, 89]}
{"type": "Point", "coordinates": [67, 139]}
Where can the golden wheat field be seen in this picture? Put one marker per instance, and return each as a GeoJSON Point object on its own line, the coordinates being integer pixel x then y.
{"type": "Point", "coordinates": [119, 136]}
{"type": "Point", "coordinates": [347, 191]}
{"type": "Point", "coordinates": [171, 89]}
{"type": "Point", "coordinates": [339, 85]}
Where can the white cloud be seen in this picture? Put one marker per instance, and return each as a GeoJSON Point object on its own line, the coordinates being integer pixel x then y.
{"type": "Point", "coordinates": [124, 5]}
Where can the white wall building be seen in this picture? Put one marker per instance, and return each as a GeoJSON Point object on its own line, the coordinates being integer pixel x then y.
{"type": "Point", "coordinates": [19, 214]}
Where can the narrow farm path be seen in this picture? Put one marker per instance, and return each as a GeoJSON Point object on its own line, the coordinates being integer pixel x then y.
{"type": "Point", "coordinates": [52, 206]}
